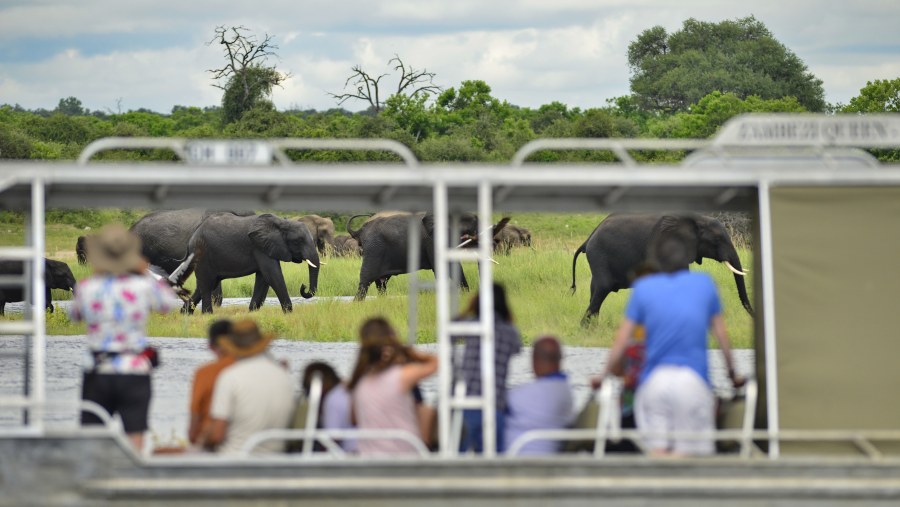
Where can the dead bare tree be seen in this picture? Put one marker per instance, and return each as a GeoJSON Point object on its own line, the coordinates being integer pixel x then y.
{"type": "Point", "coordinates": [412, 82]}
{"type": "Point", "coordinates": [245, 78]}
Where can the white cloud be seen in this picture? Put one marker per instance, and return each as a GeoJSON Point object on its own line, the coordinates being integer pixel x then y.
{"type": "Point", "coordinates": [531, 52]}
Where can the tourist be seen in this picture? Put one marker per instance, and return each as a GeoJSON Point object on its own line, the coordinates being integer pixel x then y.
{"type": "Point", "coordinates": [115, 303]}
{"type": "Point", "coordinates": [204, 381]}
{"type": "Point", "coordinates": [543, 404]}
{"type": "Point", "coordinates": [334, 404]}
{"type": "Point", "coordinates": [382, 383]}
{"type": "Point", "coordinates": [676, 307]}
{"type": "Point", "coordinates": [254, 394]}
{"type": "Point", "coordinates": [507, 343]}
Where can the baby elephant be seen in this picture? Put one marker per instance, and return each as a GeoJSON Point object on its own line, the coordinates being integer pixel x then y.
{"type": "Point", "coordinates": [57, 275]}
{"type": "Point", "coordinates": [344, 246]}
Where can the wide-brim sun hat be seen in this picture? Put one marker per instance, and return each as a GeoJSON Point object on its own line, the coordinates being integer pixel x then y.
{"type": "Point", "coordinates": [245, 339]}
{"type": "Point", "coordinates": [114, 250]}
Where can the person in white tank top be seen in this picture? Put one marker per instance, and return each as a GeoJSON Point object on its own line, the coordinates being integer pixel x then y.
{"type": "Point", "coordinates": [381, 387]}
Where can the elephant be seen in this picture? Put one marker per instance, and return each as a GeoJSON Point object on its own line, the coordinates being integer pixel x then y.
{"type": "Point", "coordinates": [57, 275]}
{"type": "Point", "coordinates": [383, 239]}
{"type": "Point", "coordinates": [226, 245]}
{"type": "Point", "coordinates": [511, 236]}
{"type": "Point", "coordinates": [322, 229]}
{"type": "Point", "coordinates": [164, 237]}
{"type": "Point", "coordinates": [620, 244]}
{"type": "Point", "coordinates": [344, 245]}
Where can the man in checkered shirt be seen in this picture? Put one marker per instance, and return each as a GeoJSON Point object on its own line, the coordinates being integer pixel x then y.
{"type": "Point", "coordinates": [507, 342]}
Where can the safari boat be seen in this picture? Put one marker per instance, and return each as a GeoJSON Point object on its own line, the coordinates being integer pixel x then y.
{"type": "Point", "coordinates": [823, 430]}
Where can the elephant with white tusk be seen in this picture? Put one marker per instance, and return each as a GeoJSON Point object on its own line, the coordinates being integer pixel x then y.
{"type": "Point", "coordinates": [228, 246]}
{"type": "Point", "coordinates": [620, 244]}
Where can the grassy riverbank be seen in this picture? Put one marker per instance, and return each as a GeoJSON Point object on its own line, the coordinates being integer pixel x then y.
{"type": "Point", "coordinates": [537, 280]}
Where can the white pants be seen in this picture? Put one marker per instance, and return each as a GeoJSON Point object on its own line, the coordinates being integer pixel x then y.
{"type": "Point", "coordinates": [675, 399]}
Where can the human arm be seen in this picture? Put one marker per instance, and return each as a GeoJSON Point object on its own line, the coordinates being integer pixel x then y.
{"type": "Point", "coordinates": [196, 416]}
{"type": "Point", "coordinates": [721, 333]}
{"type": "Point", "coordinates": [616, 352]}
{"type": "Point", "coordinates": [420, 365]}
{"type": "Point", "coordinates": [218, 429]}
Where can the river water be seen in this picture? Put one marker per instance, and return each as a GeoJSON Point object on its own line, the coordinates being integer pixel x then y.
{"type": "Point", "coordinates": [181, 356]}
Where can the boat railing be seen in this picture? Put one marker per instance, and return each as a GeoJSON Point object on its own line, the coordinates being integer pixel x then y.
{"type": "Point", "coordinates": [609, 428]}
{"type": "Point", "coordinates": [251, 152]}
{"type": "Point", "coordinates": [328, 439]}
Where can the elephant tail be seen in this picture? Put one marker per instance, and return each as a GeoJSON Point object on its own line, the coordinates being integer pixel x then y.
{"type": "Point", "coordinates": [81, 250]}
{"type": "Point", "coordinates": [578, 252]}
{"type": "Point", "coordinates": [354, 233]}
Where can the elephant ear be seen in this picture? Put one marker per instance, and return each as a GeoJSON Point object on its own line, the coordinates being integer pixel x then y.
{"type": "Point", "coordinates": [428, 223]}
{"type": "Point", "coordinates": [499, 226]}
{"type": "Point", "coordinates": [673, 225]}
{"type": "Point", "coordinates": [265, 233]}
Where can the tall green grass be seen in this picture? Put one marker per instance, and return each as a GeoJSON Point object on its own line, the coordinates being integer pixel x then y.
{"type": "Point", "coordinates": [537, 281]}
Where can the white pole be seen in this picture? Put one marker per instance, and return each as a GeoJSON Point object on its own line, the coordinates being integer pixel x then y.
{"type": "Point", "coordinates": [38, 314]}
{"type": "Point", "coordinates": [486, 310]}
{"type": "Point", "coordinates": [414, 244]}
{"type": "Point", "coordinates": [768, 287]}
{"type": "Point", "coordinates": [442, 296]}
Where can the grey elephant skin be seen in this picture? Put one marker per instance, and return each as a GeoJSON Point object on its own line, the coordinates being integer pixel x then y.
{"type": "Point", "coordinates": [620, 244]}
{"type": "Point", "coordinates": [345, 246]}
{"type": "Point", "coordinates": [57, 275]}
{"type": "Point", "coordinates": [164, 239]}
{"type": "Point", "coordinates": [384, 242]}
{"type": "Point", "coordinates": [322, 229]}
{"type": "Point", "coordinates": [511, 236]}
{"type": "Point", "coordinates": [230, 246]}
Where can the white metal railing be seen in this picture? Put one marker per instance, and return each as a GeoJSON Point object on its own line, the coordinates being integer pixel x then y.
{"type": "Point", "coordinates": [258, 152]}
{"type": "Point", "coordinates": [609, 428]}
{"type": "Point", "coordinates": [619, 147]}
{"type": "Point", "coordinates": [327, 439]}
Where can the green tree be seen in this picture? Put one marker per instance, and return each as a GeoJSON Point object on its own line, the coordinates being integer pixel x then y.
{"type": "Point", "coordinates": [71, 106]}
{"type": "Point", "coordinates": [248, 79]}
{"type": "Point", "coordinates": [879, 96]}
{"type": "Point", "coordinates": [671, 71]}
{"type": "Point", "coordinates": [706, 116]}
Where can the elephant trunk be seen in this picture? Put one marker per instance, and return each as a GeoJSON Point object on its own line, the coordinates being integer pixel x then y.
{"type": "Point", "coordinates": [732, 258]}
{"type": "Point", "coordinates": [312, 258]}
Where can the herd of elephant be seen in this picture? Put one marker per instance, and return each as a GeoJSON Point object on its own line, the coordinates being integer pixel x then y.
{"type": "Point", "coordinates": [217, 245]}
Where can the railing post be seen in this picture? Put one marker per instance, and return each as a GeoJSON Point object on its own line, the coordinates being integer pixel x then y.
{"type": "Point", "coordinates": [768, 287]}
{"type": "Point", "coordinates": [414, 244]}
{"type": "Point", "coordinates": [486, 311]}
{"type": "Point", "coordinates": [38, 395]}
{"type": "Point", "coordinates": [442, 295]}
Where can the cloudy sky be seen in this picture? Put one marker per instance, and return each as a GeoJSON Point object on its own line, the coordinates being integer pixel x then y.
{"type": "Point", "coordinates": [115, 54]}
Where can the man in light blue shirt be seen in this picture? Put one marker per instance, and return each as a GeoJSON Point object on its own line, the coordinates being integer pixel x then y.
{"type": "Point", "coordinates": [545, 403]}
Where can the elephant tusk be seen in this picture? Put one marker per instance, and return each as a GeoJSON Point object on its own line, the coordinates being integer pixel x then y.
{"type": "Point", "coordinates": [733, 270]}
{"type": "Point", "coordinates": [311, 264]}
{"type": "Point", "coordinates": [321, 263]}
{"type": "Point", "coordinates": [464, 243]}
{"type": "Point", "coordinates": [492, 260]}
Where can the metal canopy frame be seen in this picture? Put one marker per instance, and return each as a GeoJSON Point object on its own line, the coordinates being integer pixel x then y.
{"type": "Point", "coordinates": [723, 181]}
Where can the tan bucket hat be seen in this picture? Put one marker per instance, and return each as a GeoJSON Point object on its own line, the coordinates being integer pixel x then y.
{"type": "Point", "coordinates": [245, 339]}
{"type": "Point", "coordinates": [114, 250]}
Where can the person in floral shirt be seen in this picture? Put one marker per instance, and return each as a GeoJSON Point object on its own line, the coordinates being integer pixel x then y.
{"type": "Point", "coordinates": [115, 303]}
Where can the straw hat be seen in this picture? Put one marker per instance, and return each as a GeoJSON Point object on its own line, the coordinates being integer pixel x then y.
{"type": "Point", "coordinates": [114, 250]}
{"type": "Point", "coordinates": [245, 340]}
